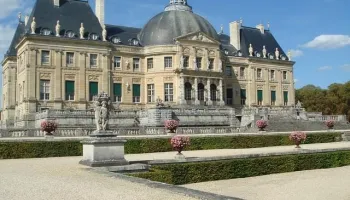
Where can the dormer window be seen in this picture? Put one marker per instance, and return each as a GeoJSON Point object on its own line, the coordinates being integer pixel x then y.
{"type": "Point", "coordinates": [46, 31]}
{"type": "Point", "coordinates": [94, 36]}
{"type": "Point", "coordinates": [135, 42]}
{"type": "Point", "coordinates": [70, 34]}
{"type": "Point", "coordinates": [116, 40]}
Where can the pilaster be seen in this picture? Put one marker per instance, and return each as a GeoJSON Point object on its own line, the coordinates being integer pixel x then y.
{"type": "Point", "coordinates": [196, 101]}
{"type": "Point", "coordinates": [58, 76]}
{"type": "Point", "coordinates": [210, 102]}
{"type": "Point", "coordinates": [82, 77]}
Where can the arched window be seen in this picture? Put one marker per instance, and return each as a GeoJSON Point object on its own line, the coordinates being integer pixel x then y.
{"type": "Point", "coordinates": [213, 90]}
{"type": "Point", "coordinates": [188, 91]}
{"type": "Point", "coordinates": [200, 92]}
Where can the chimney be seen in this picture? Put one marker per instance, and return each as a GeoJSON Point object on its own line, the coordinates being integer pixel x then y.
{"type": "Point", "coordinates": [100, 11]}
{"type": "Point", "coordinates": [261, 28]}
{"type": "Point", "coordinates": [57, 3]}
{"type": "Point", "coordinates": [26, 18]}
{"type": "Point", "coordinates": [235, 34]}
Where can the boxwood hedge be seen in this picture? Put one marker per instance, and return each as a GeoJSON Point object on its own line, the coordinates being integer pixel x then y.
{"type": "Point", "coordinates": [179, 174]}
{"type": "Point", "coordinates": [40, 149]}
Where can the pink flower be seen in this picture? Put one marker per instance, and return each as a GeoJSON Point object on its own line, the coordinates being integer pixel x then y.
{"type": "Point", "coordinates": [297, 136]}
{"type": "Point", "coordinates": [261, 123]}
{"type": "Point", "coordinates": [48, 126]}
{"type": "Point", "coordinates": [171, 124]}
{"type": "Point", "coordinates": [330, 123]}
{"type": "Point", "coordinates": [180, 142]}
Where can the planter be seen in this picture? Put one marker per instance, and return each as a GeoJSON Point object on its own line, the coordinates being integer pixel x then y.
{"type": "Point", "coordinates": [179, 155]}
{"type": "Point", "coordinates": [171, 132]}
{"type": "Point", "coordinates": [297, 143]}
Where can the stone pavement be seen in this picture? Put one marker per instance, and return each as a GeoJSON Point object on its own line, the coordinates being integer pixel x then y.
{"type": "Point", "coordinates": [326, 184]}
{"type": "Point", "coordinates": [65, 179]}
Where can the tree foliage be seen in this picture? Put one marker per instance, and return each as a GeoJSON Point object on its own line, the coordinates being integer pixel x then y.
{"type": "Point", "coordinates": [335, 100]}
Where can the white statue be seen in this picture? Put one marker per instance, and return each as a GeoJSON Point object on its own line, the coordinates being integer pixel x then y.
{"type": "Point", "coordinates": [102, 108]}
{"type": "Point", "coordinates": [33, 26]}
{"type": "Point", "coordinates": [58, 28]}
{"type": "Point", "coordinates": [104, 33]}
{"type": "Point", "coordinates": [82, 31]}
{"type": "Point", "coordinates": [277, 54]}
{"type": "Point", "coordinates": [290, 55]}
{"type": "Point", "coordinates": [104, 115]}
{"type": "Point", "coordinates": [182, 62]}
{"type": "Point", "coordinates": [195, 63]}
{"type": "Point", "coordinates": [264, 51]}
{"type": "Point", "coordinates": [251, 50]}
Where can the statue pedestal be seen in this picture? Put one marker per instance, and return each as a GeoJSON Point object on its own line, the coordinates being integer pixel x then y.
{"type": "Point", "coordinates": [103, 149]}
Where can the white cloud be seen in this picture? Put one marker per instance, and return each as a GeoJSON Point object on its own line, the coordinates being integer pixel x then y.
{"type": "Point", "coordinates": [6, 35]}
{"type": "Point", "coordinates": [11, 6]}
{"type": "Point", "coordinates": [329, 42]}
{"type": "Point", "coordinates": [296, 53]}
{"type": "Point", "coordinates": [325, 68]}
{"type": "Point", "coordinates": [346, 67]}
{"type": "Point", "coordinates": [296, 80]}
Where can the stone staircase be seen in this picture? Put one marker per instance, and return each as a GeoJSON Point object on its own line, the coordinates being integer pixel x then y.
{"type": "Point", "coordinates": [276, 124]}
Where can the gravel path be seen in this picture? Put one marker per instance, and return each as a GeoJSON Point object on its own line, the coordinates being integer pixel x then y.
{"type": "Point", "coordinates": [65, 179]}
{"type": "Point", "coordinates": [311, 185]}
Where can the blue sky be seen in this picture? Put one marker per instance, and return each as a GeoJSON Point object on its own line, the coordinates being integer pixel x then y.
{"type": "Point", "coordinates": [317, 31]}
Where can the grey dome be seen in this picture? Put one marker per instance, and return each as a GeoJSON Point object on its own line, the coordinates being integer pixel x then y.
{"type": "Point", "coordinates": [164, 27]}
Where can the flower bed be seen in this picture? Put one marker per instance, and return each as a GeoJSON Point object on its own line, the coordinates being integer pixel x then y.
{"type": "Point", "coordinates": [261, 124]}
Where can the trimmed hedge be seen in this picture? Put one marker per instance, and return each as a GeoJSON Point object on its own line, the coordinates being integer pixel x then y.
{"type": "Point", "coordinates": [179, 174]}
{"type": "Point", "coordinates": [40, 149]}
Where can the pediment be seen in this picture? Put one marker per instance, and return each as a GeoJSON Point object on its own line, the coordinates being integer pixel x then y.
{"type": "Point", "coordinates": [197, 36]}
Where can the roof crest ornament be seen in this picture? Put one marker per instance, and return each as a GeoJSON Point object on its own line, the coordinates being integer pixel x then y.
{"type": "Point", "coordinates": [33, 26]}
{"type": "Point", "coordinates": [58, 28]}
{"type": "Point", "coordinates": [82, 30]}
{"type": "Point", "coordinates": [180, 5]}
{"type": "Point", "coordinates": [251, 50]}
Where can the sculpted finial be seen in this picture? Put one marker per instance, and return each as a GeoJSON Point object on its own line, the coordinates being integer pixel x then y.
{"type": "Point", "coordinates": [251, 50]}
{"type": "Point", "coordinates": [264, 51]}
{"type": "Point", "coordinates": [277, 54]}
{"type": "Point", "coordinates": [33, 26]}
{"type": "Point", "coordinates": [82, 31]}
{"type": "Point", "coordinates": [58, 28]}
{"type": "Point", "coordinates": [104, 33]}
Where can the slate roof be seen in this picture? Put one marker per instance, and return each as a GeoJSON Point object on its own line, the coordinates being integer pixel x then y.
{"type": "Point", "coordinates": [71, 14]}
{"type": "Point", "coordinates": [123, 33]}
{"type": "Point", "coordinates": [15, 40]}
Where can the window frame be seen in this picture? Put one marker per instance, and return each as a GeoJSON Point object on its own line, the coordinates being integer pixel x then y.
{"type": "Point", "coordinates": [93, 65]}
{"type": "Point", "coordinates": [44, 89]}
{"type": "Point", "coordinates": [70, 60]}
{"type": "Point", "coordinates": [117, 64]}
{"type": "Point", "coordinates": [259, 73]}
{"type": "Point", "coordinates": [150, 93]}
{"type": "Point", "coordinates": [211, 63]}
{"type": "Point", "coordinates": [150, 63]}
{"type": "Point", "coordinates": [68, 96]}
{"type": "Point", "coordinates": [226, 71]}
{"type": "Point", "coordinates": [43, 57]}
{"type": "Point", "coordinates": [285, 75]}
{"type": "Point", "coordinates": [168, 92]}
{"type": "Point", "coordinates": [272, 74]}
{"type": "Point", "coordinates": [136, 65]}
{"type": "Point", "coordinates": [199, 62]}
{"type": "Point", "coordinates": [168, 62]}
{"type": "Point", "coordinates": [186, 62]}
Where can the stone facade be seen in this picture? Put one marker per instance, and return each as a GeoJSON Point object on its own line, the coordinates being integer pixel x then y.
{"type": "Point", "coordinates": [194, 71]}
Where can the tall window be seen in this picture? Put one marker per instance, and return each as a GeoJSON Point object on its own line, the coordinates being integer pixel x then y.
{"type": "Point", "coordinates": [242, 72]}
{"type": "Point", "coordinates": [272, 75]}
{"type": "Point", "coordinates": [168, 62]}
{"type": "Point", "coordinates": [260, 97]}
{"type": "Point", "coordinates": [150, 93]}
{"type": "Point", "coordinates": [117, 91]}
{"type": "Point", "coordinates": [136, 64]}
{"type": "Point", "coordinates": [213, 90]}
{"type": "Point", "coordinates": [186, 63]}
{"type": "Point", "coordinates": [285, 75]}
{"type": "Point", "coordinates": [259, 73]}
{"type": "Point", "coordinates": [93, 60]}
{"type": "Point", "coordinates": [149, 63]}
{"type": "Point", "coordinates": [188, 91]}
{"type": "Point", "coordinates": [200, 92]}
{"type": "Point", "coordinates": [285, 98]}
{"type": "Point", "coordinates": [228, 71]}
{"type": "Point", "coordinates": [44, 89]}
{"type": "Point", "coordinates": [93, 90]}
{"type": "Point", "coordinates": [45, 57]}
{"type": "Point", "coordinates": [168, 92]}
{"type": "Point", "coordinates": [243, 97]}
{"type": "Point", "coordinates": [211, 63]}
{"type": "Point", "coordinates": [199, 62]}
{"type": "Point", "coordinates": [136, 93]}
{"type": "Point", "coordinates": [70, 90]}
{"type": "Point", "coordinates": [69, 58]}
{"type": "Point", "coordinates": [117, 62]}
{"type": "Point", "coordinates": [273, 98]}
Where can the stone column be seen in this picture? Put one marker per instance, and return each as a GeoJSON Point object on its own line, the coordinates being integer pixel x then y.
{"type": "Point", "coordinates": [196, 101]}
{"type": "Point", "coordinates": [252, 95]}
{"type": "Point", "coordinates": [181, 87]}
{"type": "Point", "coordinates": [82, 78]}
{"type": "Point", "coordinates": [105, 66]}
{"type": "Point", "coordinates": [58, 80]}
{"type": "Point", "coordinates": [267, 92]}
{"type": "Point", "coordinates": [210, 102]}
{"type": "Point", "coordinates": [221, 101]}
{"type": "Point", "coordinates": [279, 90]}
{"type": "Point", "coordinates": [291, 92]}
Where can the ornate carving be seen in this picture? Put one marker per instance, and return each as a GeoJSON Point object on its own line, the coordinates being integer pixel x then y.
{"type": "Point", "coordinates": [136, 80]}
{"type": "Point", "coordinates": [285, 87]}
{"type": "Point", "coordinates": [273, 87]}
{"type": "Point", "coordinates": [150, 80]}
{"type": "Point", "coordinates": [200, 52]}
{"type": "Point", "coordinates": [187, 51]}
{"type": "Point", "coordinates": [93, 78]}
{"type": "Point", "coordinates": [243, 86]}
{"type": "Point", "coordinates": [45, 76]}
{"type": "Point", "coordinates": [168, 79]}
{"type": "Point", "coordinates": [199, 37]}
{"type": "Point", "coordinates": [118, 79]}
{"type": "Point", "coordinates": [211, 53]}
{"type": "Point", "coordinates": [260, 87]}
{"type": "Point", "coordinates": [69, 76]}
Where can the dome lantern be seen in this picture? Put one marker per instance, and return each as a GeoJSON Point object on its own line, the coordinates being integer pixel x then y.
{"type": "Point", "coordinates": [178, 5]}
